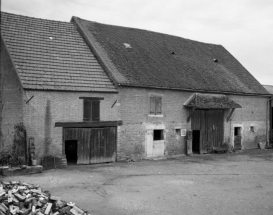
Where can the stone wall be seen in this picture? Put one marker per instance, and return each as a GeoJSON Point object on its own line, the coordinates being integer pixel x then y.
{"type": "Point", "coordinates": [135, 107]}
{"type": "Point", "coordinates": [48, 107]}
{"type": "Point", "coordinates": [11, 106]}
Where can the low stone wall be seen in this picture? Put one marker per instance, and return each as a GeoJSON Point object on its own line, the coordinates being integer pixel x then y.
{"type": "Point", "coordinates": [6, 171]}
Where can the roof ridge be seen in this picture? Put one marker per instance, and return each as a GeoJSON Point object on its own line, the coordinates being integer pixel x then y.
{"type": "Point", "coordinates": [150, 31]}
{"type": "Point", "coordinates": [99, 52]}
{"type": "Point", "coordinates": [43, 55]}
{"type": "Point", "coordinates": [30, 17]}
{"type": "Point", "coordinates": [151, 59]}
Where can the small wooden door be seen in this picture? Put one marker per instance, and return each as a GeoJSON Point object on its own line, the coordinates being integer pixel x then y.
{"type": "Point", "coordinates": [237, 138]}
{"type": "Point", "coordinates": [149, 143]}
{"type": "Point", "coordinates": [158, 148]}
{"type": "Point", "coordinates": [154, 147]}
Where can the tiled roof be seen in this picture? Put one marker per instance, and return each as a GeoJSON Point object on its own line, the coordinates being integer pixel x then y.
{"type": "Point", "coordinates": [269, 88]}
{"type": "Point", "coordinates": [208, 101]}
{"type": "Point", "coordinates": [149, 59]}
{"type": "Point", "coordinates": [51, 55]}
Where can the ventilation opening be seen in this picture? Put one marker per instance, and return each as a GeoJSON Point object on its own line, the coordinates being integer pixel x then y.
{"type": "Point", "coordinates": [158, 135]}
{"type": "Point", "coordinates": [178, 131]}
{"type": "Point", "coordinates": [71, 151]}
{"type": "Point", "coordinates": [196, 141]}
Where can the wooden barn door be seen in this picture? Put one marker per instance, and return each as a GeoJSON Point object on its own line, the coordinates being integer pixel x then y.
{"type": "Point", "coordinates": [215, 129]}
{"type": "Point", "coordinates": [83, 146]}
{"type": "Point", "coordinates": [209, 124]}
{"type": "Point", "coordinates": [103, 145]}
{"type": "Point", "coordinates": [94, 145]}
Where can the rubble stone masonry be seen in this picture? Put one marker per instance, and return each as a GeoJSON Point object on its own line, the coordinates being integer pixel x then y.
{"type": "Point", "coordinates": [136, 117]}
{"type": "Point", "coordinates": [11, 109]}
{"type": "Point", "coordinates": [254, 113]}
{"type": "Point", "coordinates": [131, 105]}
{"type": "Point", "coordinates": [135, 107]}
{"type": "Point", "coordinates": [48, 107]}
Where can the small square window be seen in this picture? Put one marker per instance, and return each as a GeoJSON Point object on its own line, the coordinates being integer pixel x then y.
{"type": "Point", "coordinates": [253, 128]}
{"type": "Point", "coordinates": [178, 131]}
{"type": "Point", "coordinates": [181, 132]}
{"type": "Point", "coordinates": [158, 135]}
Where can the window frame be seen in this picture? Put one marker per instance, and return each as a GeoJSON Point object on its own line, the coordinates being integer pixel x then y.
{"type": "Point", "coordinates": [155, 105]}
{"type": "Point", "coordinates": [91, 109]}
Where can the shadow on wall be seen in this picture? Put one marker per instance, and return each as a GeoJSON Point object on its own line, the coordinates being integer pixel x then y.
{"type": "Point", "coordinates": [260, 138]}
{"type": "Point", "coordinates": [48, 120]}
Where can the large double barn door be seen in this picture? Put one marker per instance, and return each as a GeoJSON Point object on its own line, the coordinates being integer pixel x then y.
{"type": "Point", "coordinates": [94, 145]}
{"type": "Point", "coordinates": [209, 126]}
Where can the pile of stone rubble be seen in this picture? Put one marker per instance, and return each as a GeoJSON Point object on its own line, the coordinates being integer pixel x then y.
{"type": "Point", "coordinates": [28, 199]}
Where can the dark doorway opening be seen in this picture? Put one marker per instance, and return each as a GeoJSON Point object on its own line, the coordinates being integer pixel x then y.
{"type": "Point", "coordinates": [71, 151]}
{"type": "Point", "coordinates": [158, 135]}
{"type": "Point", "coordinates": [237, 131]}
{"type": "Point", "coordinates": [237, 138]}
{"type": "Point", "coordinates": [272, 124]}
{"type": "Point", "coordinates": [271, 118]}
{"type": "Point", "coordinates": [196, 141]}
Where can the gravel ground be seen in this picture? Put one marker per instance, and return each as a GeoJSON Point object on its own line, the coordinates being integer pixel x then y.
{"type": "Point", "coordinates": [233, 183]}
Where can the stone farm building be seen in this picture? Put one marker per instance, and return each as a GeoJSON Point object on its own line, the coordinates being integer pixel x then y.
{"type": "Point", "coordinates": [92, 93]}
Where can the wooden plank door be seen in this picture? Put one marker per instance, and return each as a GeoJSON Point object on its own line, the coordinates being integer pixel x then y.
{"type": "Point", "coordinates": [211, 126]}
{"type": "Point", "coordinates": [103, 145]}
{"type": "Point", "coordinates": [215, 129]}
{"type": "Point", "coordinates": [149, 143]}
{"type": "Point", "coordinates": [237, 138]}
{"type": "Point", "coordinates": [158, 148]}
{"type": "Point", "coordinates": [83, 146]}
{"type": "Point", "coordinates": [111, 150]}
{"type": "Point", "coordinates": [203, 132]}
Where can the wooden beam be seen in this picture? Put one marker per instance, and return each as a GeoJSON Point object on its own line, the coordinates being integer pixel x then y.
{"type": "Point", "coordinates": [230, 114]}
{"type": "Point", "coordinates": [191, 113]}
{"type": "Point", "coordinates": [114, 104]}
{"type": "Point", "coordinates": [92, 98]}
{"type": "Point", "coordinates": [88, 124]}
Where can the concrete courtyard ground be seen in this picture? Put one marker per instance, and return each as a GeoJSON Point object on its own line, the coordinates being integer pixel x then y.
{"type": "Point", "coordinates": [233, 183]}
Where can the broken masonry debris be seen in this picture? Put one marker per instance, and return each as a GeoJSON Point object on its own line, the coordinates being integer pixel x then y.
{"type": "Point", "coordinates": [27, 199]}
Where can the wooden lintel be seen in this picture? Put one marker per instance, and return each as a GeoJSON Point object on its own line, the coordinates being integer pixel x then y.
{"type": "Point", "coordinates": [92, 98]}
{"type": "Point", "coordinates": [88, 124]}
{"type": "Point", "coordinates": [230, 114]}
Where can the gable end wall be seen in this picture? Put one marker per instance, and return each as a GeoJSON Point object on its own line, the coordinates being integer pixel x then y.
{"type": "Point", "coordinates": [11, 107]}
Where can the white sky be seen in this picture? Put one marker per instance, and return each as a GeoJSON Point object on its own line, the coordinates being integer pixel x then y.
{"type": "Point", "coordinates": [243, 27]}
